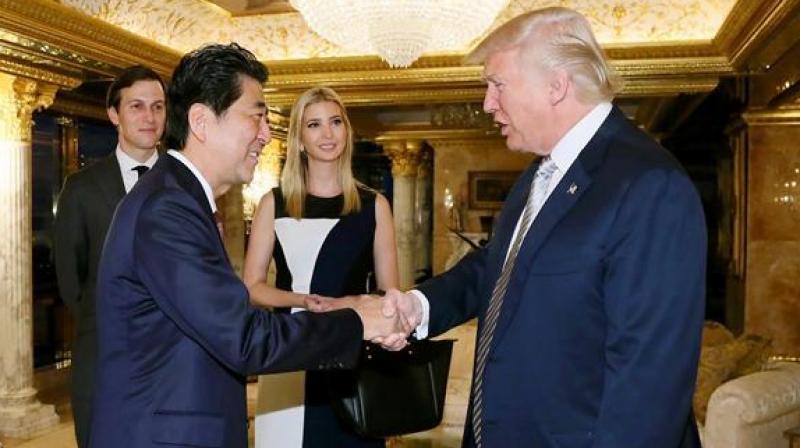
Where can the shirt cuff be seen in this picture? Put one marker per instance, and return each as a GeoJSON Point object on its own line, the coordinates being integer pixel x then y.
{"type": "Point", "coordinates": [422, 329]}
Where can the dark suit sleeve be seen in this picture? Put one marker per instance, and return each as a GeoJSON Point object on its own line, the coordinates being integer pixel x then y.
{"type": "Point", "coordinates": [180, 259]}
{"type": "Point", "coordinates": [70, 244]}
{"type": "Point", "coordinates": [654, 290]}
{"type": "Point", "coordinates": [453, 295]}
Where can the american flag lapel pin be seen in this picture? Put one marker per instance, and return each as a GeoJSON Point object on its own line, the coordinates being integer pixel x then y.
{"type": "Point", "coordinates": [572, 188]}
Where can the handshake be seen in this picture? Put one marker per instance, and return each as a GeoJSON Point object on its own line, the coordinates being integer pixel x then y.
{"type": "Point", "coordinates": [387, 320]}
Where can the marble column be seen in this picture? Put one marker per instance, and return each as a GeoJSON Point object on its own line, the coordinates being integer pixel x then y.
{"type": "Point", "coordinates": [21, 414]}
{"type": "Point", "coordinates": [422, 211]}
{"type": "Point", "coordinates": [405, 162]}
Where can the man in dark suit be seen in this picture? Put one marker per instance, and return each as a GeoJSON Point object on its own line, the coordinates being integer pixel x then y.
{"type": "Point", "coordinates": [136, 106]}
{"type": "Point", "coordinates": [177, 334]}
{"type": "Point", "coordinates": [590, 296]}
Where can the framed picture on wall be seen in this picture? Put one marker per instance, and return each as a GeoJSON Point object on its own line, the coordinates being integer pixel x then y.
{"type": "Point", "coordinates": [488, 189]}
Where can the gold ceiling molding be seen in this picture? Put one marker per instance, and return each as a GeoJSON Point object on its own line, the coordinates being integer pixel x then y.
{"type": "Point", "coordinates": [653, 51]}
{"type": "Point", "coordinates": [434, 135]}
{"type": "Point", "coordinates": [79, 108]}
{"type": "Point", "coordinates": [26, 70]}
{"type": "Point", "coordinates": [773, 117]}
{"type": "Point", "coordinates": [384, 86]}
{"type": "Point", "coordinates": [666, 87]}
{"type": "Point", "coordinates": [49, 54]}
{"type": "Point", "coordinates": [715, 65]}
{"type": "Point", "coordinates": [748, 25]}
{"type": "Point", "coordinates": [389, 97]}
{"type": "Point", "coordinates": [72, 31]}
{"type": "Point", "coordinates": [383, 77]}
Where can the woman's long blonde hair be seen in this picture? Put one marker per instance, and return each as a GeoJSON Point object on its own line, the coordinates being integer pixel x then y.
{"type": "Point", "coordinates": [294, 177]}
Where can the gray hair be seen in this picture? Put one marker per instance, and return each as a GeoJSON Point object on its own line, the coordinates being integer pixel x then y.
{"type": "Point", "coordinates": [555, 38]}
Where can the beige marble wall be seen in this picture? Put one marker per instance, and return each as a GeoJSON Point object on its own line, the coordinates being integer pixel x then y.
{"type": "Point", "coordinates": [772, 269]}
{"type": "Point", "coordinates": [452, 161]}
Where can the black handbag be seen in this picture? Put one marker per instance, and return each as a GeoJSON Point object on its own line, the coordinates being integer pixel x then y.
{"type": "Point", "coordinates": [392, 393]}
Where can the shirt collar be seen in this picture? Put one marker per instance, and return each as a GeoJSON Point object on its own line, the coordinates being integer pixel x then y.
{"type": "Point", "coordinates": [203, 182]}
{"type": "Point", "coordinates": [127, 163]}
{"type": "Point", "coordinates": [572, 143]}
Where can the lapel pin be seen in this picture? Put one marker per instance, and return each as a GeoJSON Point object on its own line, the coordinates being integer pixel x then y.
{"type": "Point", "coordinates": [572, 188]}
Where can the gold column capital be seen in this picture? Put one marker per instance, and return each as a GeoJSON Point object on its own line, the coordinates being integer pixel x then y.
{"type": "Point", "coordinates": [19, 98]}
{"type": "Point", "coordinates": [405, 156]}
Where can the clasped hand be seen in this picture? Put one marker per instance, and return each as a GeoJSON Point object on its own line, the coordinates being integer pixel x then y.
{"type": "Point", "coordinates": [387, 320]}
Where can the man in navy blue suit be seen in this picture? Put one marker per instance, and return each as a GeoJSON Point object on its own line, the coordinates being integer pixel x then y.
{"type": "Point", "coordinates": [590, 296]}
{"type": "Point", "coordinates": [177, 335]}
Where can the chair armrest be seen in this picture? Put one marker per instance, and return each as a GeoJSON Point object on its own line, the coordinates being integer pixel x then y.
{"type": "Point", "coordinates": [758, 397]}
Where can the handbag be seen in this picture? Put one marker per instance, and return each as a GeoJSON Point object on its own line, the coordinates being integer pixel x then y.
{"type": "Point", "coordinates": [393, 393]}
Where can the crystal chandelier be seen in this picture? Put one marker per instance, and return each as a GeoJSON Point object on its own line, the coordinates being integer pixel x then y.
{"type": "Point", "coordinates": [399, 31]}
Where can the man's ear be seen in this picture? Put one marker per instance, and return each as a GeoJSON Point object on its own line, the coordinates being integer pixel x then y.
{"type": "Point", "coordinates": [198, 116]}
{"type": "Point", "coordinates": [559, 85]}
{"type": "Point", "coordinates": [113, 115]}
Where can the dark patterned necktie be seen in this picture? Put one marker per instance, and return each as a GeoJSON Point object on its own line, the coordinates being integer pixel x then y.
{"type": "Point", "coordinates": [140, 170]}
{"type": "Point", "coordinates": [535, 199]}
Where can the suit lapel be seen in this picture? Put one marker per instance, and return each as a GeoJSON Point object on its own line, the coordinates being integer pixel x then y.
{"type": "Point", "coordinates": [109, 180]}
{"type": "Point", "coordinates": [564, 196]}
{"type": "Point", "coordinates": [187, 180]}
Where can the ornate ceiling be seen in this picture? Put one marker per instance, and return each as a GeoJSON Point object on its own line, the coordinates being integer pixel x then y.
{"type": "Point", "coordinates": [661, 48]}
{"type": "Point", "coordinates": [186, 24]}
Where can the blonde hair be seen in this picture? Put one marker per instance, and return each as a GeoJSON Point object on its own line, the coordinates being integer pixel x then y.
{"type": "Point", "coordinates": [556, 38]}
{"type": "Point", "coordinates": [294, 177]}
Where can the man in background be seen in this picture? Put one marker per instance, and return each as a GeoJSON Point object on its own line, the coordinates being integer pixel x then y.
{"type": "Point", "coordinates": [136, 105]}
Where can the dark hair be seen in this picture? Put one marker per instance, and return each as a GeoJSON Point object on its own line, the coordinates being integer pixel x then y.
{"type": "Point", "coordinates": [127, 78]}
{"type": "Point", "coordinates": [209, 75]}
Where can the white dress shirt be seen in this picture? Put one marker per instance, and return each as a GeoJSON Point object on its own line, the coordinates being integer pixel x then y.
{"type": "Point", "coordinates": [203, 182]}
{"type": "Point", "coordinates": [127, 165]}
{"type": "Point", "coordinates": [563, 154]}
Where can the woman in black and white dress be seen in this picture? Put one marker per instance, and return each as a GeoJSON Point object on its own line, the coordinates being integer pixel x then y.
{"type": "Point", "coordinates": [328, 235]}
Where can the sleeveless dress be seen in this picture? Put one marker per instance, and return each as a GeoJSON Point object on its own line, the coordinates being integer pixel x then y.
{"type": "Point", "coordinates": [331, 255]}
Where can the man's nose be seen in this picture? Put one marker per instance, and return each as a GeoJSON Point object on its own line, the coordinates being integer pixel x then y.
{"type": "Point", "coordinates": [489, 103]}
{"type": "Point", "coordinates": [264, 133]}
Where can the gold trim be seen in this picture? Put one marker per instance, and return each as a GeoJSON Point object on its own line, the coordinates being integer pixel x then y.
{"type": "Point", "coordinates": [748, 25]}
{"type": "Point", "coordinates": [19, 98]}
{"type": "Point", "coordinates": [28, 49]}
{"type": "Point", "coordinates": [716, 65]}
{"type": "Point", "coordinates": [364, 78]}
{"type": "Point", "coordinates": [645, 50]}
{"type": "Point", "coordinates": [405, 156]}
{"type": "Point", "coordinates": [662, 87]}
{"type": "Point", "coordinates": [79, 109]}
{"type": "Point", "coordinates": [772, 117]}
{"type": "Point", "coordinates": [25, 70]}
{"type": "Point", "coordinates": [430, 135]}
{"type": "Point", "coordinates": [386, 97]}
{"type": "Point", "coordinates": [73, 31]}
{"type": "Point", "coordinates": [463, 83]}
